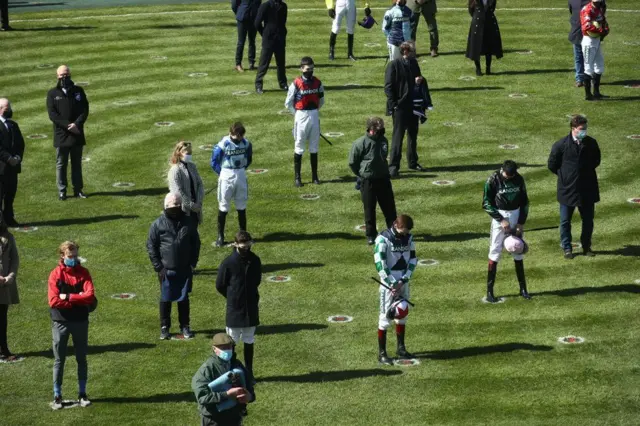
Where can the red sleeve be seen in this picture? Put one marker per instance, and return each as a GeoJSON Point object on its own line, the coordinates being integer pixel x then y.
{"type": "Point", "coordinates": [586, 21]}
{"type": "Point", "coordinates": [87, 297]}
{"type": "Point", "coordinates": [54, 293]}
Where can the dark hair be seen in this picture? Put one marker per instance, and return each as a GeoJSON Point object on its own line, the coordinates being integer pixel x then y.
{"type": "Point", "coordinates": [237, 129]}
{"type": "Point", "coordinates": [306, 60]}
{"type": "Point", "coordinates": [375, 124]}
{"type": "Point", "coordinates": [404, 221]}
{"type": "Point", "coordinates": [578, 120]}
{"type": "Point", "coordinates": [243, 237]}
{"type": "Point", "coordinates": [407, 46]}
{"type": "Point", "coordinates": [510, 167]}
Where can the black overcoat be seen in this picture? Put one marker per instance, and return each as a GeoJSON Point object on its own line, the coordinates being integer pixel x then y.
{"type": "Point", "coordinates": [11, 144]}
{"type": "Point", "coordinates": [238, 280]}
{"type": "Point", "coordinates": [64, 109]}
{"type": "Point", "coordinates": [576, 166]}
{"type": "Point", "coordinates": [484, 34]}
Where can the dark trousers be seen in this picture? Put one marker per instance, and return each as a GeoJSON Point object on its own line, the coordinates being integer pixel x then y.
{"type": "Point", "coordinates": [265, 59]}
{"type": "Point", "coordinates": [8, 190]}
{"type": "Point", "coordinates": [4, 13]}
{"type": "Point", "coordinates": [62, 159]}
{"type": "Point", "coordinates": [432, 24]}
{"type": "Point", "coordinates": [184, 311]}
{"type": "Point", "coordinates": [377, 191]}
{"type": "Point", "coordinates": [246, 28]}
{"type": "Point", "coordinates": [4, 349]}
{"type": "Point", "coordinates": [207, 421]}
{"type": "Point", "coordinates": [587, 212]}
{"type": "Point", "coordinates": [404, 122]}
{"type": "Point", "coordinates": [61, 331]}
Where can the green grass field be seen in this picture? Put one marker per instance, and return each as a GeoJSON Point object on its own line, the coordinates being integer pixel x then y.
{"type": "Point", "coordinates": [480, 364]}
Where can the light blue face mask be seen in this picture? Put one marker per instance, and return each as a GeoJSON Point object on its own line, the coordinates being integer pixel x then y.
{"type": "Point", "coordinates": [226, 354]}
{"type": "Point", "coordinates": [581, 134]}
{"type": "Point", "coordinates": [70, 262]}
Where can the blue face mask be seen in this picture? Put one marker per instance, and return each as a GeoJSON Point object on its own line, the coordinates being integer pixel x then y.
{"type": "Point", "coordinates": [225, 355]}
{"type": "Point", "coordinates": [70, 262]}
{"type": "Point", "coordinates": [581, 134]}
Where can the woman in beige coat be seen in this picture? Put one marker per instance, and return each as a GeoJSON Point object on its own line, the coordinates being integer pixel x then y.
{"type": "Point", "coordinates": [185, 180]}
{"type": "Point", "coordinates": [9, 262]}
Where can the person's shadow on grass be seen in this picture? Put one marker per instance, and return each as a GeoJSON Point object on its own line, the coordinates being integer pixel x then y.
{"type": "Point", "coordinates": [450, 354]}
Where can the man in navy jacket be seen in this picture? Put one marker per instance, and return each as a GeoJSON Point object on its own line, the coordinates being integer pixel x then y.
{"type": "Point", "coordinates": [271, 23]}
{"type": "Point", "coordinates": [575, 37]}
{"type": "Point", "coordinates": [246, 12]}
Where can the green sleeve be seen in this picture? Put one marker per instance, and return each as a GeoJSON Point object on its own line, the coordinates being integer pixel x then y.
{"type": "Point", "coordinates": [355, 157]}
{"type": "Point", "coordinates": [488, 201]}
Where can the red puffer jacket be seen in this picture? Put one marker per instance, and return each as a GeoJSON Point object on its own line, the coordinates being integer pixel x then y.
{"type": "Point", "coordinates": [77, 284]}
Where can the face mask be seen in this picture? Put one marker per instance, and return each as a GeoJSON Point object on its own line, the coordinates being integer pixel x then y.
{"type": "Point", "coordinates": [225, 355]}
{"type": "Point", "coordinates": [381, 132]}
{"type": "Point", "coordinates": [581, 134]}
{"type": "Point", "coordinates": [8, 114]}
{"type": "Point", "coordinates": [70, 262]}
{"type": "Point", "coordinates": [186, 157]}
{"type": "Point", "coordinates": [308, 74]}
{"type": "Point", "coordinates": [174, 212]}
{"type": "Point", "coordinates": [65, 82]}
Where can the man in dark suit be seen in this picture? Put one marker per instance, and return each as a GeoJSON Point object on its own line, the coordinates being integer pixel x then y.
{"type": "Point", "coordinates": [575, 37]}
{"type": "Point", "coordinates": [246, 12]}
{"type": "Point", "coordinates": [11, 152]}
{"type": "Point", "coordinates": [68, 109]}
{"type": "Point", "coordinates": [574, 159]}
{"type": "Point", "coordinates": [4, 16]}
{"type": "Point", "coordinates": [407, 97]}
{"type": "Point", "coordinates": [271, 23]}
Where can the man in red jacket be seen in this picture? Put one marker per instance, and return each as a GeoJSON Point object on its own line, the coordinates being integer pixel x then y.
{"type": "Point", "coordinates": [594, 29]}
{"type": "Point", "coordinates": [71, 298]}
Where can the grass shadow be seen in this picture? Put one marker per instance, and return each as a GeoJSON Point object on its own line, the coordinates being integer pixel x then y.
{"type": "Point", "coordinates": [532, 72]}
{"type": "Point", "coordinates": [63, 28]}
{"type": "Point", "coordinates": [629, 251]}
{"type": "Point", "coordinates": [265, 330]}
{"type": "Point", "coordinates": [132, 192]}
{"type": "Point", "coordinates": [461, 236]}
{"type": "Point", "coordinates": [464, 89]}
{"type": "Point", "coordinates": [95, 349]}
{"type": "Point", "coordinates": [481, 350]}
{"type": "Point", "coordinates": [158, 398]}
{"type": "Point", "coordinates": [364, 86]}
{"type": "Point", "coordinates": [186, 26]}
{"type": "Point", "coordinates": [275, 267]}
{"type": "Point", "coordinates": [83, 220]}
{"type": "Point", "coordinates": [319, 66]}
{"type": "Point", "coordinates": [331, 376]}
{"type": "Point", "coordinates": [578, 291]}
{"type": "Point", "coordinates": [290, 236]}
{"type": "Point", "coordinates": [17, 4]}
{"type": "Point", "coordinates": [622, 83]}
{"type": "Point", "coordinates": [475, 167]}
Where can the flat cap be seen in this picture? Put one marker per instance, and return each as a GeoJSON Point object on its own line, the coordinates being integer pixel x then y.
{"type": "Point", "coordinates": [222, 339]}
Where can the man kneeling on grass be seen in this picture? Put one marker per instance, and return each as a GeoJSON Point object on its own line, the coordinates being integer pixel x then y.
{"type": "Point", "coordinates": [222, 386]}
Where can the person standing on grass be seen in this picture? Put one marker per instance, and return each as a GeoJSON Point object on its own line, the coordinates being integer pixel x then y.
{"type": "Point", "coordinates": [368, 161]}
{"type": "Point", "coordinates": [239, 276]}
{"type": "Point", "coordinates": [68, 110]}
{"type": "Point", "coordinates": [4, 16]}
{"type": "Point", "coordinates": [428, 9]}
{"type": "Point", "coordinates": [221, 363]}
{"type": "Point", "coordinates": [11, 153]}
{"type": "Point", "coordinates": [174, 249]}
{"type": "Point", "coordinates": [595, 28]}
{"type": "Point", "coordinates": [271, 23]}
{"type": "Point", "coordinates": [505, 200]}
{"type": "Point", "coordinates": [484, 34]}
{"type": "Point", "coordinates": [337, 11]}
{"type": "Point", "coordinates": [246, 12]}
{"type": "Point", "coordinates": [396, 26]}
{"type": "Point", "coordinates": [71, 298]}
{"type": "Point", "coordinates": [574, 159]}
{"type": "Point", "coordinates": [575, 37]}
{"type": "Point", "coordinates": [185, 180]}
{"type": "Point", "coordinates": [9, 262]}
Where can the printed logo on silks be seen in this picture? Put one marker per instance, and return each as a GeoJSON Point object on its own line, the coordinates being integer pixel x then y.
{"type": "Point", "coordinates": [634, 200]}
{"type": "Point", "coordinates": [37, 136]}
{"type": "Point", "coordinates": [279, 278]}
{"type": "Point", "coordinates": [123, 296]}
{"type": "Point", "coordinates": [339, 318]}
{"type": "Point", "coordinates": [634, 137]}
{"type": "Point", "coordinates": [310, 197]}
{"type": "Point", "coordinates": [498, 300]}
{"type": "Point", "coordinates": [406, 362]}
{"type": "Point", "coordinates": [571, 340]}
{"type": "Point", "coordinates": [257, 171]}
{"type": "Point", "coordinates": [444, 182]}
{"type": "Point", "coordinates": [123, 184]}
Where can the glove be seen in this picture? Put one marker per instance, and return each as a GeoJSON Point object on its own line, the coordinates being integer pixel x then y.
{"type": "Point", "coordinates": [332, 13]}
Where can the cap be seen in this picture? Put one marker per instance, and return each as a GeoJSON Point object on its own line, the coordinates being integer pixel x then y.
{"type": "Point", "coordinates": [172, 200]}
{"type": "Point", "coordinates": [222, 339]}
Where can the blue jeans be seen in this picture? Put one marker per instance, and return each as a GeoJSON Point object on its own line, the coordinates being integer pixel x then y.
{"type": "Point", "coordinates": [587, 213]}
{"type": "Point", "coordinates": [578, 60]}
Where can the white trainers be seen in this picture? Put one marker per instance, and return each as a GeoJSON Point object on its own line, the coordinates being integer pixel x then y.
{"type": "Point", "coordinates": [83, 400]}
{"type": "Point", "coordinates": [57, 403]}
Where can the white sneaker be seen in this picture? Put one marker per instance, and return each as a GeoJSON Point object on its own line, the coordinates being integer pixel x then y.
{"type": "Point", "coordinates": [57, 403]}
{"type": "Point", "coordinates": [83, 400]}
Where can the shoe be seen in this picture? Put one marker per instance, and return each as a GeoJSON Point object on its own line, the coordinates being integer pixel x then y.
{"type": "Point", "coordinates": [393, 173]}
{"type": "Point", "coordinates": [525, 294]}
{"type": "Point", "coordinates": [588, 253]}
{"type": "Point", "coordinates": [384, 359]}
{"type": "Point", "coordinates": [434, 53]}
{"type": "Point", "coordinates": [316, 181]}
{"type": "Point", "coordinates": [83, 400]}
{"type": "Point", "coordinates": [79, 194]}
{"type": "Point", "coordinates": [331, 55]}
{"type": "Point", "coordinates": [6, 28]}
{"type": "Point", "coordinates": [403, 353]}
{"type": "Point", "coordinates": [57, 402]}
{"type": "Point", "coordinates": [220, 241]}
{"type": "Point", "coordinates": [186, 333]}
{"type": "Point", "coordinates": [491, 298]}
{"type": "Point", "coordinates": [11, 223]}
{"type": "Point", "coordinates": [589, 98]}
{"type": "Point", "coordinates": [479, 72]}
{"type": "Point", "coordinates": [417, 167]}
{"type": "Point", "coordinates": [600, 96]}
{"type": "Point", "coordinates": [164, 333]}
{"type": "Point", "coordinates": [298, 183]}
{"type": "Point", "coordinates": [568, 254]}
{"type": "Point", "coordinates": [259, 90]}
{"type": "Point", "coordinates": [353, 58]}
{"type": "Point", "coordinates": [579, 84]}
{"type": "Point", "coordinates": [62, 196]}
{"type": "Point", "coordinates": [371, 241]}
{"type": "Point", "coordinates": [239, 68]}
{"type": "Point", "coordinates": [284, 87]}
{"type": "Point", "coordinates": [252, 66]}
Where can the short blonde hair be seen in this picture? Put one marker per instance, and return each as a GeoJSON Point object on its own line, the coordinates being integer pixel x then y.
{"type": "Point", "coordinates": [67, 245]}
{"type": "Point", "coordinates": [177, 151]}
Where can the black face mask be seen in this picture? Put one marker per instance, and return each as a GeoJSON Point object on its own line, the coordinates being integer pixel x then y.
{"type": "Point", "coordinates": [244, 252]}
{"type": "Point", "coordinates": [308, 74]}
{"type": "Point", "coordinates": [174, 212]}
{"type": "Point", "coordinates": [8, 114]}
{"type": "Point", "coordinates": [66, 82]}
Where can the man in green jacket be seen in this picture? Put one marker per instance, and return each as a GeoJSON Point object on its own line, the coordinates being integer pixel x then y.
{"type": "Point", "coordinates": [428, 9]}
{"type": "Point", "coordinates": [368, 161]}
{"type": "Point", "coordinates": [221, 362]}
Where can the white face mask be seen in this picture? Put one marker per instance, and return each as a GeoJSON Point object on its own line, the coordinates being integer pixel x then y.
{"type": "Point", "coordinates": [186, 157]}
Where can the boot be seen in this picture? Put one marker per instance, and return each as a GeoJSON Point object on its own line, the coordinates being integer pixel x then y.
{"type": "Point", "coordinates": [248, 357]}
{"type": "Point", "coordinates": [350, 47]}
{"type": "Point", "coordinates": [297, 165]}
{"type": "Point", "coordinates": [521, 279]}
{"type": "Point", "coordinates": [488, 61]}
{"type": "Point", "coordinates": [222, 218]}
{"type": "Point", "coordinates": [587, 88]}
{"type": "Point", "coordinates": [402, 351]}
{"type": "Point", "coordinates": [382, 348]}
{"type": "Point", "coordinates": [491, 280]}
{"type": "Point", "coordinates": [314, 168]}
{"type": "Point", "coordinates": [478, 70]}
{"type": "Point", "coordinates": [596, 87]}
{"type": "Point", "coordinates": [242, 219]}
{"type": "Point", "coordinates": [332, 45]}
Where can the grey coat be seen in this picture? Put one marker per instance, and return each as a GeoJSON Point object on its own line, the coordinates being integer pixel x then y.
{"type": "Point", "coordinates": [9, 262]}
{"type": "Point", "coordinates": [179, 176]}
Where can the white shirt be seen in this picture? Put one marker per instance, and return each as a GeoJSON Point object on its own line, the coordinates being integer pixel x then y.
{"type": "Point", "coordinates": [4, 121]}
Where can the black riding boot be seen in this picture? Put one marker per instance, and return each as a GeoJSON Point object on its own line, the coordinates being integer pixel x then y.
{"type": "Point", "coordinates": [491, 280]}
{"type": "Point", "coordinates": [521, 279]}
{"type": "Point", "coordinates": [402, 350]}
{"type": "Point", "coordinates": [222, 219]}
{"type": "Point", "coordinates": [478, 70]}
{"type": "Point", "coordinates": [382, 348]}
{"type": "Point", "coordinates": [350, 47]}
{"type": "Point", "coordinates": [587, 88]}
{"type": "Point", "coordinates": [488, 61]}
{"type": "Point", "coordinates": [596, 87]}
{"type": "Point", "coordinates": [314, 168]}
{"type": "Point", "coordinates": [332, 45]}
{"type": "Point", "coordinates": [297, 166]}
{"type": "Point", "coordinates": [242, 219]}
{"type": "Point", "coordinates": [248, 357]}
